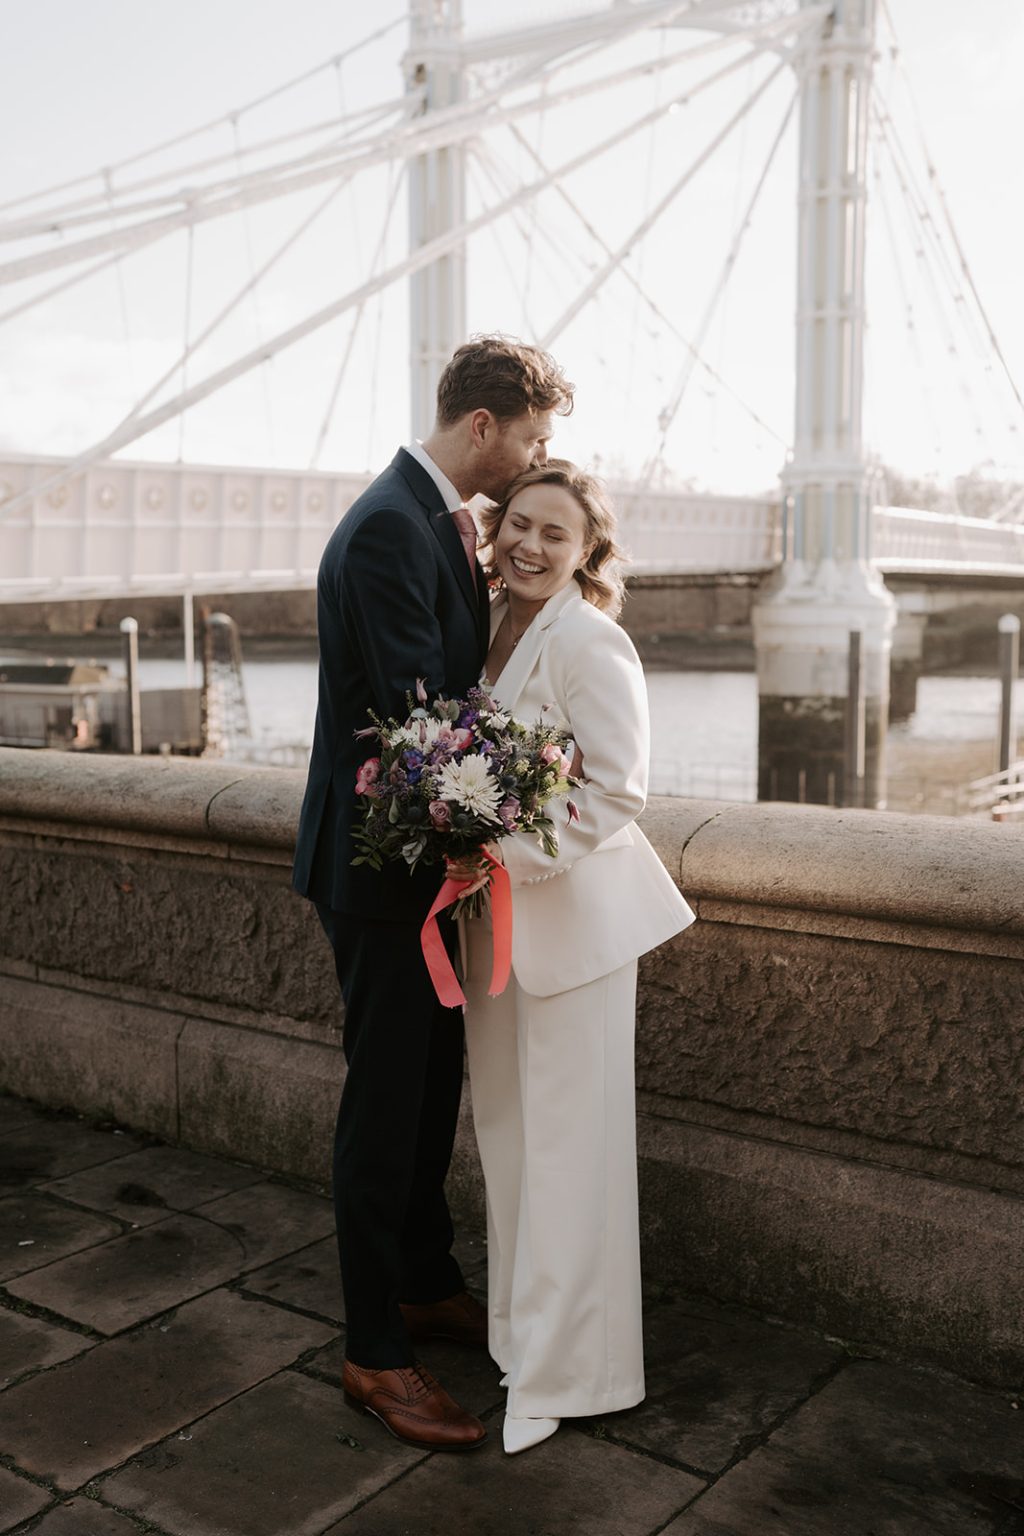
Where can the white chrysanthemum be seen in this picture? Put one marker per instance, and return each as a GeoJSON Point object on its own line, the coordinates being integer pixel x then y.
{"type": "Point", "coordinates": [409, 736]}
{"type": "Point", "coordinates": [470, 785]}
{"type": "Point", "coordinates": [497, 720]}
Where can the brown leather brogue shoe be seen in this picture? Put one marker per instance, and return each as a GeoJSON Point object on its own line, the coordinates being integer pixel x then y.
{"type": "Point", "coordinates": [413, 1406]}
{"type": "Point", "coordinates": [461, 1318]}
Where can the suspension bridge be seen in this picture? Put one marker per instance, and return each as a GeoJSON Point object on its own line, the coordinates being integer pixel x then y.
{"type": "Point", "coordinates": [502, 143]}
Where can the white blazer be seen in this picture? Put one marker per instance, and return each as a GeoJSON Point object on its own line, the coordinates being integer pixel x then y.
{"type": "Point", "coordinates": [607, 898]}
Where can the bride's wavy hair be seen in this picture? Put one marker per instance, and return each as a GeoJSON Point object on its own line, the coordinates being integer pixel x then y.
{"type": "Point", "coordinates": [599, 577]}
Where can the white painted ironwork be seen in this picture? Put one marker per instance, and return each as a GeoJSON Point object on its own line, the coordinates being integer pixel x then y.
{"type": "Point", "coordinates": [435, 71]}
{"type": "Point", "coordinates": [124, 527]}
{"type": "Point", "coordinates": [680, 533]}
{"type": "Point", "coordinates": [147, 528]}
{"type": "Point", "coordinates": [909, 541]}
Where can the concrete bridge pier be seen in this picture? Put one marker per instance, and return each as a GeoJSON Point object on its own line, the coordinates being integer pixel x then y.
{"type": "Point", "coordinates": [905, 665]}
{"type": "Point", "coordinates": [802, 627]}
{"type": "Point", "coordinates": [826, 588]}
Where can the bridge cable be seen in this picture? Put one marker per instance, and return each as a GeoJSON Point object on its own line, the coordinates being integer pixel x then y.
{"type": "Point", "coordinates": [503, 180]}
{"type": "Point", "coordinates": [976, 335]}
{"type": "Point", "coordinates": [189, 264]}
{"type": "Point", "coordinates": [216, 122]}
{"type": "Point", "coordinates": [671, 410]}
{"type": "Point", "coordinates": [122, 297]}
{"type": "Point", "coordinates": [397, 178]}
{"type": "Point", "coordinates": [723, 323]}
{"type": "Point", "coordinates": [233, 303]}
{"type": "Point", "coordinates": [478, 163]}
{"type": "Point", "coordinates": [71, 215]}
{"type": "Point", "coordinates": [647, 223]}
{"type": "Point", "coordinates": [138, 427]}
{"type": "Point", "coordinates": [448, 126]}
{"type": "Point", "coordinates": [926, 264]}
{"type": "Point", "coordinates": [268, 409]}
{"type": "Point", "coordinates": [943, 201]}
{"type": "Point", "coordinates": [909, 302]}
{"type": "Point", "coordinates": [656, 309]}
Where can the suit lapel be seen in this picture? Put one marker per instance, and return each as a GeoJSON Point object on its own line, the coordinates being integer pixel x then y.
{"type": "Point", "coordinates": [444, 530]}
{"type": "Point", "coordinates": [519, 668]}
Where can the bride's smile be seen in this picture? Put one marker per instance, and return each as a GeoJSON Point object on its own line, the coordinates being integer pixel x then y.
{"type": "Point", "coordinates": [540, 544]}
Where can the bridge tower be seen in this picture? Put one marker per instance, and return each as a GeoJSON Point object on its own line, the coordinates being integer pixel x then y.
{"type": "Point", "coordinates": [827, 588]}
{"type": "Point", "coordinates": [437, 203]}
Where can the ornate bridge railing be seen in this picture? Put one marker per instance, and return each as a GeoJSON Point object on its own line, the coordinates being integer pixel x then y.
{"type": "Point", "coordinates": [143, 528]}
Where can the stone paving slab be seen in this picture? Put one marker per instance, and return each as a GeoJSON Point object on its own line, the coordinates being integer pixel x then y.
{"type": "Point", "coordinates": [84, 1517]}
{"type": "Point", "coordinates": [28, 1343]}
{"type": "Point", "coordinates": [134, 1276]}
{"type": "Point", "coordinates": [91, 1414]}
{"type": "Point", "coordinates": [35, 1230]}
{"type": "Point", "coordinates": [570, 1484]}
{"type": "Point", "coordinates": [716, 1378]}
{"type": "Point", "coordinates": [47, 1149]}
{"type": "Point", "coordinates": [19, 1499]}
{"type": "Point", "coordinates": [270, 1219]}
{"type": "Point", "coordinates": [14, 1112]}
{"type": "Point", "coordinates": [270, 1463]}
{"type": "Point", "coordinates": [308, 1279]}
{"type": "Point", "coordinates": [882, 1450]}
{"type": "Point", "coordinates": [144, 1186]}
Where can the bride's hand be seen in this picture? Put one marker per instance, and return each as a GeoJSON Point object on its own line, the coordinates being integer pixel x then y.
{"type": "Point", "coordinates": [473, 868]}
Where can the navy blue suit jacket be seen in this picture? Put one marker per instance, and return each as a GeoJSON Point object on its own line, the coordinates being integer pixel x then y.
{"type": "Point", "coordinates": [396, 600]}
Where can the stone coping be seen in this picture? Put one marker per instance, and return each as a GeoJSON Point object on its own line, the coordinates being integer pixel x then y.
{"type": "Point", "coordinates": [927, 870]}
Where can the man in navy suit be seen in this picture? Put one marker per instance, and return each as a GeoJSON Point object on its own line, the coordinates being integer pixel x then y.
{"type": "Point", "coordinates": [401, 596]}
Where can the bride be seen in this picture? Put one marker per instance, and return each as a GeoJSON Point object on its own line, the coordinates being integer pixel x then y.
{"type": "Point", "coordinates": [551, 1059]}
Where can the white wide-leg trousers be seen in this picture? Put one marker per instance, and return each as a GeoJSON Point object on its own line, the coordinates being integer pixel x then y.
{"type": "Point", "coordinates": [553, 1103]}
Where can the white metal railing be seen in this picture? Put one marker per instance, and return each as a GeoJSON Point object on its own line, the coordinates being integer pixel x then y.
{"type": "Point", "coordinates": [669, 532]}
{"type": "Point", "coordinates": [1001, 794]}
{"type": "Point", "coordinates": [152, 528]}
{"type": "Point", "coordinates": [908, 540]}
{"type": "Point", "coordinates": [143, 528]}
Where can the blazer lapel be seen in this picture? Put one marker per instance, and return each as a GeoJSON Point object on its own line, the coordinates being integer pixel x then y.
{"type": "Point", "coordinates": [518, 669]}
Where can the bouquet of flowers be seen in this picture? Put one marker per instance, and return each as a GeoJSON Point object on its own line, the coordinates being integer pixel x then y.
{"type": "Point", "coordinates": [454, 776]}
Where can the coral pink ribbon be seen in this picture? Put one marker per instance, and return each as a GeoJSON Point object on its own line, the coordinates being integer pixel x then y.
{"type": "Point", "coordinates": [446, 983]}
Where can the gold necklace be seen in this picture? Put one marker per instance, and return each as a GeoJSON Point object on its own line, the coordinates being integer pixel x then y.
{"type": "Point", "coordinates": [515, 639]}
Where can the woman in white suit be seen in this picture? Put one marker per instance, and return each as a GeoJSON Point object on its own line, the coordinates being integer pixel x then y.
{"type": "Point", "coordinates": [551, 1059]}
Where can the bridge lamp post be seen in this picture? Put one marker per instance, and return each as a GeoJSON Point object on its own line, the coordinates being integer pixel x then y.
{"type": "Point", "coordinates": [826, 588]}
{"type": "Point", "coordinates": [437, 204]}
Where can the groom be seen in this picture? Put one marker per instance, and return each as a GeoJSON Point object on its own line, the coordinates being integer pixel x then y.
{"type": "Point", "coordinates": [401, 596]}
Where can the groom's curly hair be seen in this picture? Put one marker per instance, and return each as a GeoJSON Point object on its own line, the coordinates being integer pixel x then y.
{"type": "Point", "coordinates": [504, 376]}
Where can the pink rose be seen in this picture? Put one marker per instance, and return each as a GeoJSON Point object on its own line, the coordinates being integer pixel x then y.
{"type": "Point", "coordinates": [440, 814]}
{"type": "Point", "coordinates": [367, 777]}
{"type": "Point", "coordinates": [550, 753]}
{"type": "Point", "coordinates": [462, 738]}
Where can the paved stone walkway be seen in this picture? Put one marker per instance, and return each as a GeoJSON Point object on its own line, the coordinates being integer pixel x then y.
{"type": "Point", "coordinates": [170, 1342]}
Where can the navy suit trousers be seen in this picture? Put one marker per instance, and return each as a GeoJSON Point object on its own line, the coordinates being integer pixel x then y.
{"type": "Point", "coordinates": [395, 1133]}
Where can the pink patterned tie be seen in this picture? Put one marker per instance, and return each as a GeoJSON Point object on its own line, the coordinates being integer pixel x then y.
{"type": "Point", "coordinates": [462, 517]}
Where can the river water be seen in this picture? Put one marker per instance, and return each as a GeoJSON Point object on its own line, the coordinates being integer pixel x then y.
{"type": "Point", "coordinates": [703, 724]}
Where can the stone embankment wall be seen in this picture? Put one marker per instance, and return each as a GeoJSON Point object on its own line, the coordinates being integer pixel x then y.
{"type": "Point", "coordinates": [829, 1061]}
{"type": "Point", "coordinates": [674, 621]}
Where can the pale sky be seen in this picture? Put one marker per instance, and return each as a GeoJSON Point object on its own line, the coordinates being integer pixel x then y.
{"type": "Point", "coordinates": [90, 82]}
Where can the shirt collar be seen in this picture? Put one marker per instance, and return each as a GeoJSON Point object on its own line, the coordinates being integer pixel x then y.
{"type": "Point", "coordinates": [449, 494]}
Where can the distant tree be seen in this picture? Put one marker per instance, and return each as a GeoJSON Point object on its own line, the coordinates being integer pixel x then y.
{"type": "Point", "coordinates": [977, 493]}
